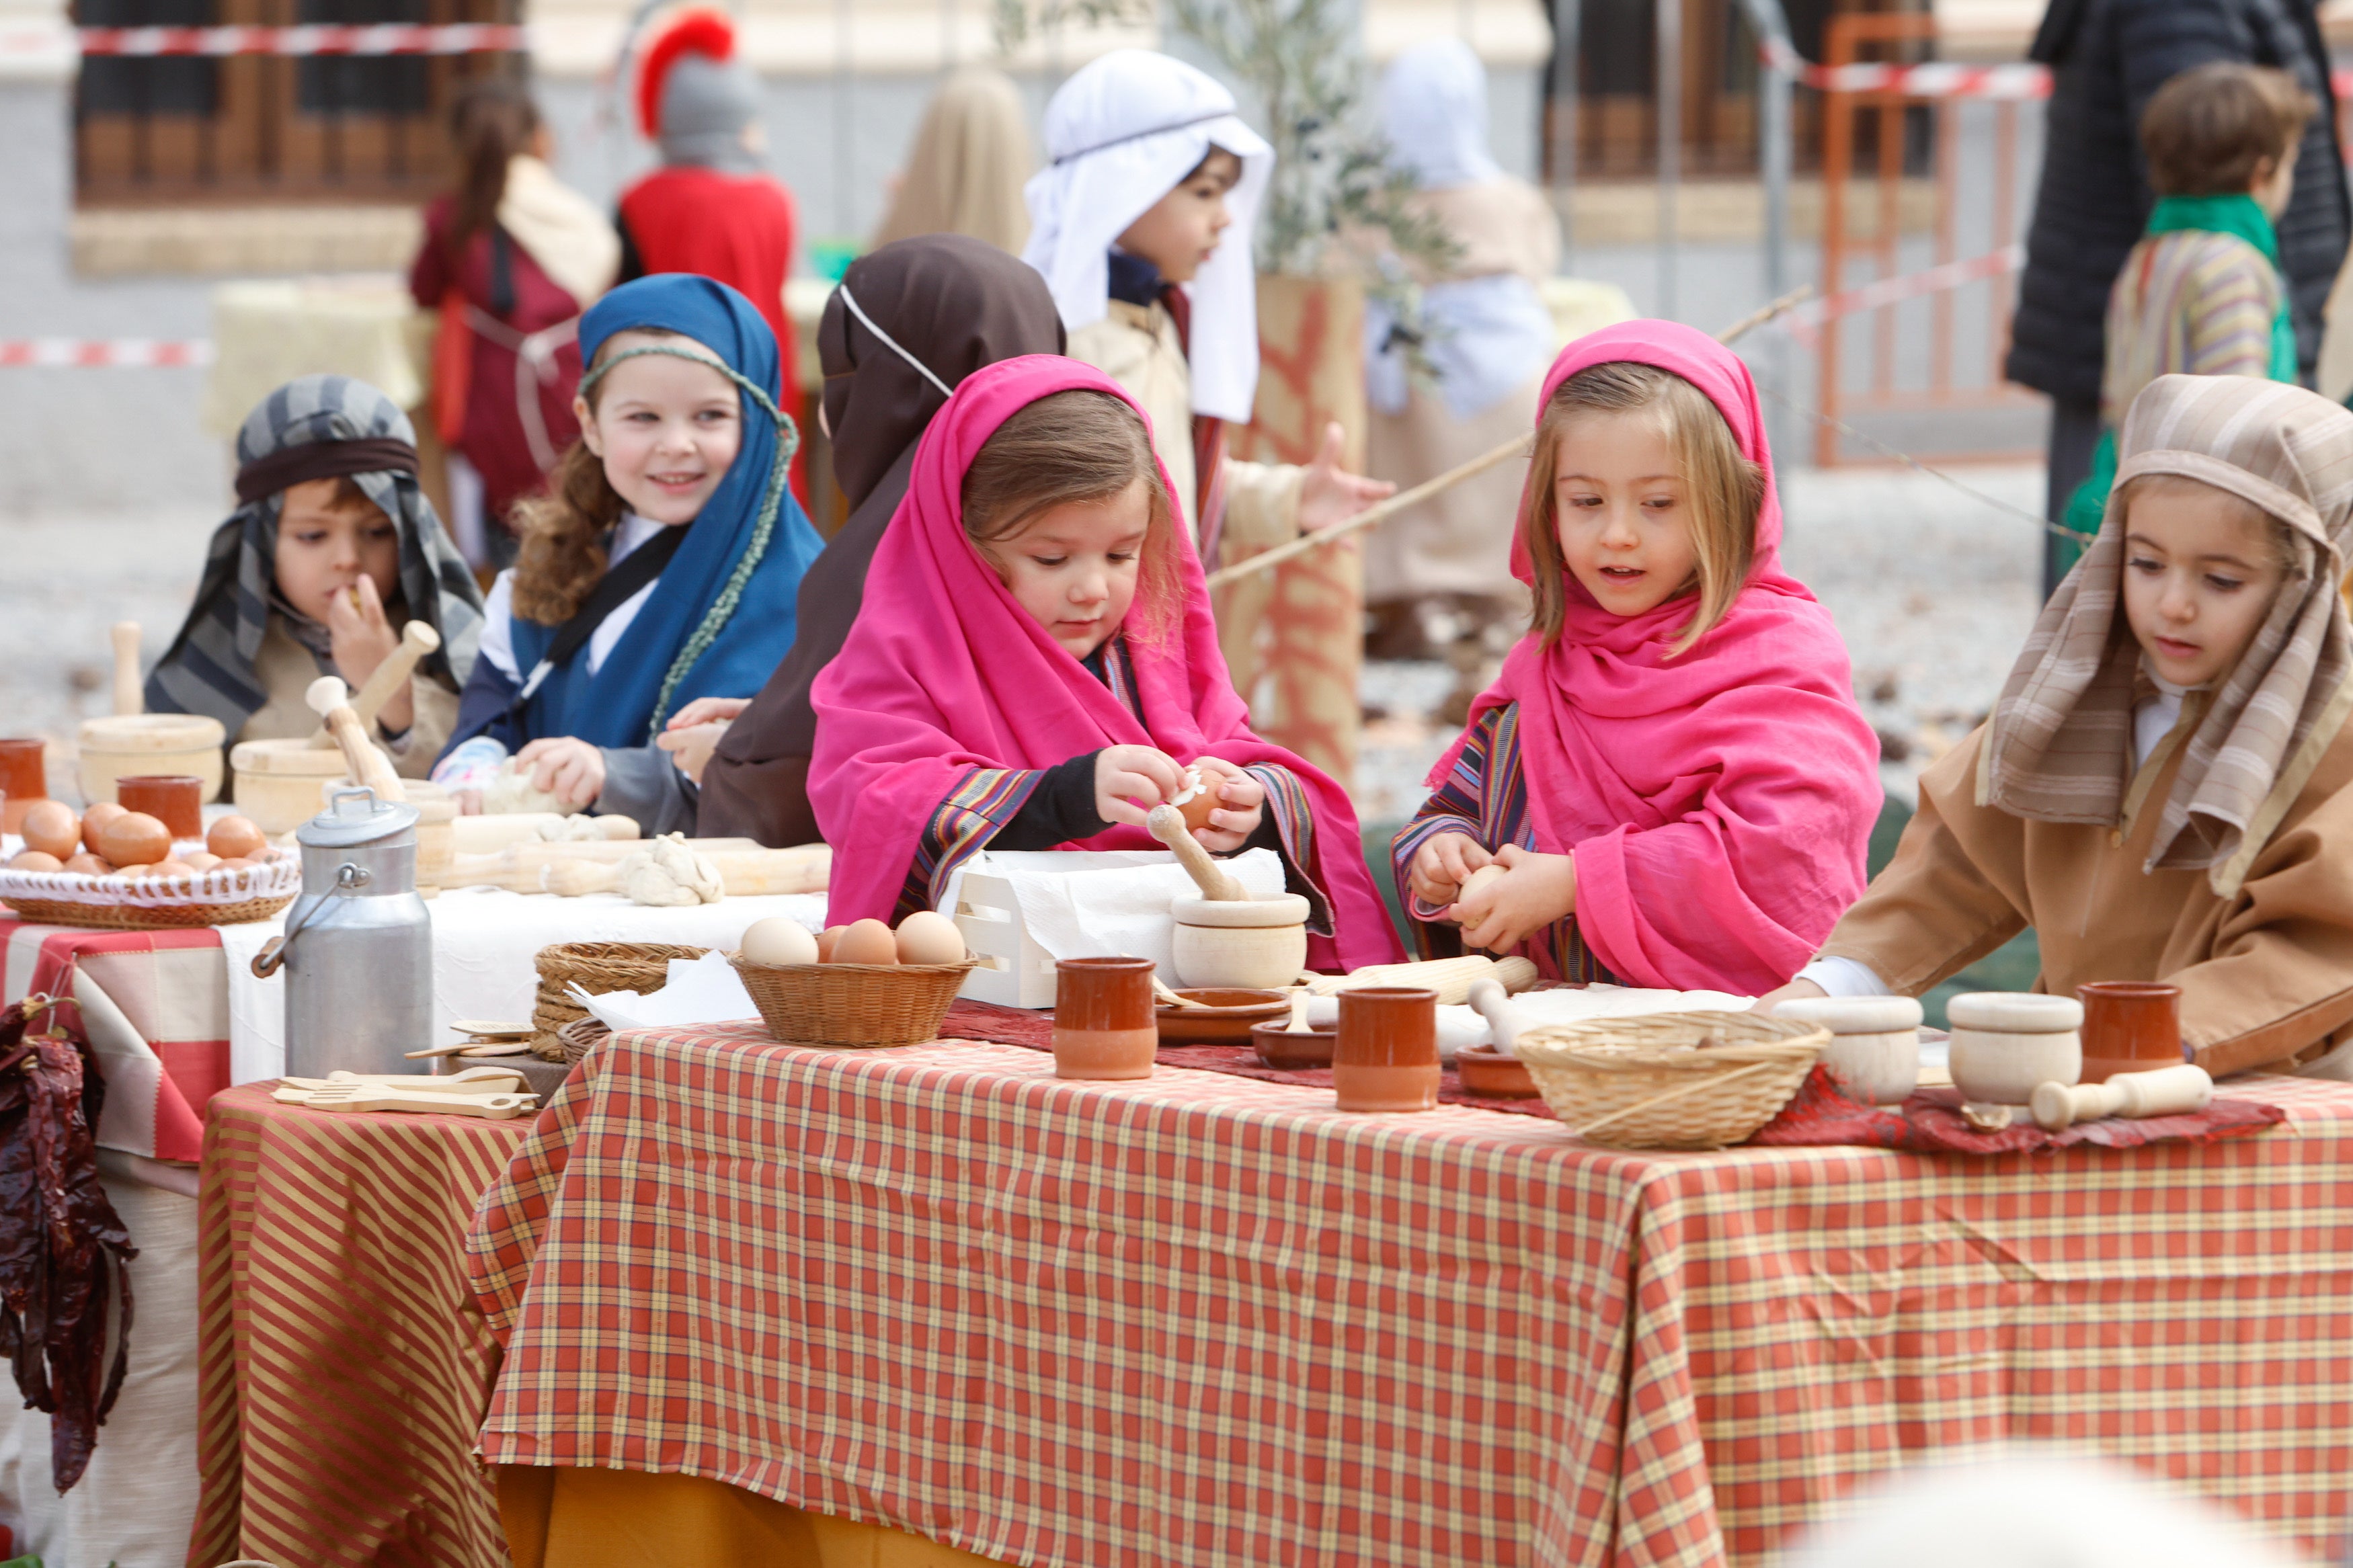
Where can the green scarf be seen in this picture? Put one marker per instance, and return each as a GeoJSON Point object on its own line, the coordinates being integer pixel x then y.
{"type": "Point", "coordinates": [2242, 218]}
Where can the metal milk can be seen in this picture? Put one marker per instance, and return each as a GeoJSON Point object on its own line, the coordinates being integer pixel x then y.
{"type": "Point", "coordinates": [358, 948]}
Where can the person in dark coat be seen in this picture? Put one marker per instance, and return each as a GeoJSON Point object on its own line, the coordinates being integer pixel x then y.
{"type": "Point", "coordinates": [2108, 59]}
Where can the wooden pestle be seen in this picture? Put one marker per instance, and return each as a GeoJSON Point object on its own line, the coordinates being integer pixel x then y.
{"type": "Point", "coordinates": [367, 764]}
{"type": "Point", "coordinates": [129, 697]}
{"type": "Point", "coordinates": [1492, 1003]}
{"type": "Point", "coordinates": [1166, 824]}
{"type": "Point", "coordinates": [417, 640]}
{"type": "Point", "coordinates": [2167, 1092]}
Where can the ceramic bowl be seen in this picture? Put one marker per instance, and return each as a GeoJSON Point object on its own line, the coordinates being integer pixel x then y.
{"type": "Point", "coordinates": [1874, 1042]}
{"type": "Point", "coordinates": [1293, 1053]}
{"type": "Point", "coordinates": [1224, 1019]}
{"type": "Point", "coordinates": [2005, 1045]}
{"type": "Point", "coordinates": [1490, 1072]}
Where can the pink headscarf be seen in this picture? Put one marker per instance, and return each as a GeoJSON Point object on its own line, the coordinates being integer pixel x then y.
{"type": "Point", "coordinates": [944, 671]}
{"type": "Point", "coordinates": [1718, 803]}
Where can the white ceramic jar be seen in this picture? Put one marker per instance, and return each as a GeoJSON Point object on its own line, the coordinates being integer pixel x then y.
{"type": "Point", "coordinates": [1874, 1042]}
{"type": "Point", "coordinates": [1257, 944]}
{"type": "Point", "coordinates": [2007, 1044]}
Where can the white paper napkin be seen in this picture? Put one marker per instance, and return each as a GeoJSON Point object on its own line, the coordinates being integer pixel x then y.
{"type": "Point", "coordinates": [1100, 903]}
{"type": "Point", "coordinates": [706, 990]}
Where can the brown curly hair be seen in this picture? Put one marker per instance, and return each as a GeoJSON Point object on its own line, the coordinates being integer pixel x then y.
{"type": "Point", "coordinates": [562, 557]}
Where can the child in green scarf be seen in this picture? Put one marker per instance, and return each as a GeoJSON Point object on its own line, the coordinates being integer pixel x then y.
{"type": "Point", "coordinates": [2202, 294]}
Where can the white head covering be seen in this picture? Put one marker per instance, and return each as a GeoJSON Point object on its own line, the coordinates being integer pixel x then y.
{"type": "Point", "coordinates": [1434, 113]}
{"type": "Point", "coordinates": [1119, 135]}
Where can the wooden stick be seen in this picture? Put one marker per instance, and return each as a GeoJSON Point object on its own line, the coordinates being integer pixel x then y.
{"type": "Point", "coordinates": [417, 640]}
{"type": "Point", "coordinates": [368, 765]}
{"type": "Point", "coordinates": [1166, 824]}
{"type": "Point", "coordinates": [128, 696]}
{"type": "Point", "coordinates": [1517, 447]}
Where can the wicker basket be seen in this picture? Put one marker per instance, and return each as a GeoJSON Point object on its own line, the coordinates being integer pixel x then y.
{"type": "Point", "coordinates": [113, 902]}
{"type": "Point", "coordinates": [1671, 1080]}
{"type": "Point", "coordinates": [852, 1004]}
{"type": "Point", "coordinates": [596, 967]}
{"type": "Point", "coordinates": [579, 1036]}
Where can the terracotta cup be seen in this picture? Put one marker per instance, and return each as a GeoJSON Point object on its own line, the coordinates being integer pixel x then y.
{"type": "Point", "coordinates": [176, 800]}
{"type": "Point", "coordinates": [1386, 1057]}
{"type": "Point", "coordinates": [2129, 1026]}
{"type": "Point", "coordinates": [23, 778]}
{"type": "Point", "coordinates": [1103, 1022]}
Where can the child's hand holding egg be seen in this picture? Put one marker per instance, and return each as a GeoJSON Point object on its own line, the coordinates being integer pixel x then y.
{"type": "Point", "coordinates": [1237, 799]}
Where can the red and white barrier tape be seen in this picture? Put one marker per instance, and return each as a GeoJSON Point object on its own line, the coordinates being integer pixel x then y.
{"type": "Point", "coordinates": [104, 354]}
{"type": "Point", "coordinates": [386, 39]}
{"type": "Point", "coordinates": [1806, 320]}
{"type": "Point", "coordinates": [2013, 82]}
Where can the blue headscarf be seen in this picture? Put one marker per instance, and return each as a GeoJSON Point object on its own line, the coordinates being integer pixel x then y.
{"type": "Point", "coordinates": [720, 619]}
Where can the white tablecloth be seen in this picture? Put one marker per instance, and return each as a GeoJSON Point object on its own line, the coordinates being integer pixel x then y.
{"type": "Point", "coordinates": [484, 940]}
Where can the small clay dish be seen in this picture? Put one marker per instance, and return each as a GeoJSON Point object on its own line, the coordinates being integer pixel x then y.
{"type": "Point", "coordinates": [1485, 1070]}
{"type": "Point", "coordinates": [1224, 1018]}
{"type": "Point", "coordinates": [1278, 1048]}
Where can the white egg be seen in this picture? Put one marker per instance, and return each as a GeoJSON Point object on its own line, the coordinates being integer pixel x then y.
{"type": "Point", "coordinates": [779, 941]}
{"type": "Point", "coordinates": [928, 938]}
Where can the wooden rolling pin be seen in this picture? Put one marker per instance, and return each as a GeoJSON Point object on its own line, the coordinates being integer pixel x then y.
{"type": "Point", "coordinates": [1166, 824]}
{"type": "Point", "coordinates": [1449, 977]}
{"type": "Point", "coordinates": [367, 764]}
{"type": "Point", "coordinates": [2167, 1092]}
{"type": "Point", "coordinates": [417, 640]}
{"type": "Point", "coordinates": [518, 866]}
{"type": "Point", "coordinates": [744, 867]}
{"type": "Point", "coordinates": [128, 696]}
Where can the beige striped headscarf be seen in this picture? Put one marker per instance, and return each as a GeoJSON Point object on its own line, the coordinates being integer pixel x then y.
{"type": "Point", "coordinates": [2060, 746]}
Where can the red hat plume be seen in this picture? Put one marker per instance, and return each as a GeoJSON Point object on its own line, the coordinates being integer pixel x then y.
{"type": "Point", "coordinates": [694, 32]}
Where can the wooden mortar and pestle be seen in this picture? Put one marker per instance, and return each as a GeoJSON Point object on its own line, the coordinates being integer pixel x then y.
{"type": "Point", "coordinates": [365, 763]}
{"type": "Point", "coordinates": [132, 741]}
{"type": "Point", "coordinates": [1225, 937]}
{"type": "Point", "coordinates": [282, 784]}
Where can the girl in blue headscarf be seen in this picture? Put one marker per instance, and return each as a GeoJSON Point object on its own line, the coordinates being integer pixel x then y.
{"type": "Point", "coordinates": [660, 567]}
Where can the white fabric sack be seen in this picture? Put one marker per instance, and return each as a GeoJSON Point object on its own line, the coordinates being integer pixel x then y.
{"type": "Point", "coordinates": [1120, 134]}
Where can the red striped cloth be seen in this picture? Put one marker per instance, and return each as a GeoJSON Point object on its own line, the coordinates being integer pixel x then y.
{"type": "Point", "coordinates": [1201, 1318]}
{"type": "Point", "coordinates": [343, 1370]}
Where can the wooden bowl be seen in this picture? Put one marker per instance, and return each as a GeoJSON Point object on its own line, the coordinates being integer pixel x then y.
{"type": "Point", "coordinates": [1224, 1018]}
{"type": "Point", "coordinates": [149, 743]}
{"type": "Point", "coordinates": [1278, 1048]}
{"type": "Point", "coordinates": [1484, 1070]}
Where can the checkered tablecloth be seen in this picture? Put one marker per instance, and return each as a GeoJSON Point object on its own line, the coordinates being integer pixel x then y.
{"type": "Point", "coordinates": [341, 1368]}
{"type": "Point", "coordinates": [1201, 1321]}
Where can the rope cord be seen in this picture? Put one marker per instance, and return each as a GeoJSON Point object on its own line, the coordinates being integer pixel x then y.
{"type": "Point", "coordinates": [723, 608]}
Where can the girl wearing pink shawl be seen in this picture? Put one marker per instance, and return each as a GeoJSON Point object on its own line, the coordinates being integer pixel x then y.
{"type": "Point", "coordinates": [955, 719]}
{"type": "Point", "coordinates": [1671, 769]}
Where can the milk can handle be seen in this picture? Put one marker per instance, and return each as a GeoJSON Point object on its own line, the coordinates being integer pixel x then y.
{"type": "Point", "coordinates": [348, 879]}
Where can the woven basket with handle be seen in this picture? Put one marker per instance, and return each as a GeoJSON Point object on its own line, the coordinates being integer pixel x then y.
{"type": "Point", "coordinates": [1671, 1080]}
{"type": "Point", "coordinates": [597, 967]}
{"type": "Point", "coordinates": [852, 1004]}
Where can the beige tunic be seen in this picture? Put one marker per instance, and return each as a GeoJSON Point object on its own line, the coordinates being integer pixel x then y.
{"type": "Point", "coordinates": [285, 669]}
{"type": "Point", "coordinates": [1459, 541]}
{"type": "Point", "coordinates": [2266, 976]}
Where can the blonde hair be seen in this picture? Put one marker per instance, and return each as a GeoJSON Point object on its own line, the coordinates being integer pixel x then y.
{"type": "Point", "coordinates": [1076, 446]}
{"type": "Point", "coordinates": [562, 556]}
{"type": "Point", "coordinates": [1726, 492]}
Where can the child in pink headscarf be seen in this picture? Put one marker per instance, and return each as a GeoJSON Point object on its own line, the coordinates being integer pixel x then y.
{"type": "Point", "coordinates": [1672, 770]}
{"type": "Point", "coordinates": [1034, 665]}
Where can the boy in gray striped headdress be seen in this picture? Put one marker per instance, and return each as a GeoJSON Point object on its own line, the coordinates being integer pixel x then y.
{"type": "Point", "coordinates": [331, 551]}
{"type": "Point", "coordinates": [2162, 792]}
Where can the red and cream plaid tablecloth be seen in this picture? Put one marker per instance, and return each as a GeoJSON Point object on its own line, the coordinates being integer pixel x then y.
{"type": "Point", "coordinates": [1202, 1320]}
{"type": "Point", "coordinates": [154, 1007]}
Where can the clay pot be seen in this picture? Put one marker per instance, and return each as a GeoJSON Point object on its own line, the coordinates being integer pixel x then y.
{"type": "Point", "coordinates": [2008, 1044]}
{"type": "Point", "coordinates": [2129, 1026]}
{"type": "Point", "coordinates": [1224, 1018]}
{"type": "Point", "coordinates": [124, 744]}
{"type": "Point", "coordinates": [1278, 1048]}
{"type": "Point", "coordinates": [1874, 1045]}
{"type": "Point", "coordinates": [23, 778]}
{"type": "Point", "coordinates": [1386, 1057]}
{"type": "Point", "coordinates": [1103, 1027]}
{"type": "Point", "coordinates": [176, 800]}
{"type": "Point", "coordinates": [1257, 944]}
{"type": "Point", "coordinates": [1484, 1070]}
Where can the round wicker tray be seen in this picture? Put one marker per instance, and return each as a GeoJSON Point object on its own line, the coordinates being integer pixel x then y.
{"type": "Point", "coordinates": [599, 967]}
{"type": "Point", "coordinates": [148, 903]}
{"type": "Point", "coordinates": [861, 1004]}
{"type": "Point", "coordinates": [1671, 1080]}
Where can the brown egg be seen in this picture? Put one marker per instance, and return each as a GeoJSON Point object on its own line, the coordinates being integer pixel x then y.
{"type": "Point", "coordinates": [134, 839]}
{"type": "Point", "coordinates": [233, 836]}
{"type": "Point", "coordinates": [925, 937]}
{"type": "Point", "coordinates": [867, 941]}
{"type": "Point", "coordinates": [203, 859]}
{"type": "Point", "coordinates": [94, 821]}
{"type": "Point", "coordinates": [51, 827]}
{"type": "Point", "coordinates": [235, 863]}
{"type": "Point", "coordinates": [171, 869]}
{"type": "Point", "coordinates": [825, 941]}
{"type": "Point", "coordinates": [36, 860]}
{"type": "Point", "coordinates": [131, 870]}
{"type": "Point", "coordinates": [90, 864]}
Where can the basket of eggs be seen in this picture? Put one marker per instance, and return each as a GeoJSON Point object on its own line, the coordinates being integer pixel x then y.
{"type": "Point", "coordinates": [861, 984]}
{"type": "Point", "coordinates": [121, 871]}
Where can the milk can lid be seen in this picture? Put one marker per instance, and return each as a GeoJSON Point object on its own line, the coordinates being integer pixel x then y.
{"type": "Point", "coordinates": [354, 815]}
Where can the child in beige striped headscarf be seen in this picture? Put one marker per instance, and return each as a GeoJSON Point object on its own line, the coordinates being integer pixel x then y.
{"type": "Point", "coordinates": [2162, 792]}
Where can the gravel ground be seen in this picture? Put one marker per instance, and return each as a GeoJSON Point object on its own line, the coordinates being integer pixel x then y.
{"type": "Point", "coordinates": [1933, 590]}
